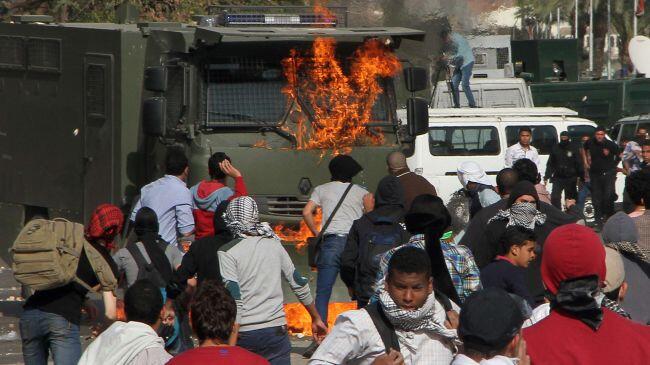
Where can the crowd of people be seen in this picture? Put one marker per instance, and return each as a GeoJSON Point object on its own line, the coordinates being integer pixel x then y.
{"type": "Point", "coordinates": [513, 277]}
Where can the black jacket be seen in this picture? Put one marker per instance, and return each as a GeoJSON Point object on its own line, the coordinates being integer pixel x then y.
{"type": "Point", "coordinates": [483, 239]}
{"type": "Point", "coordinates": [370, 237]}
{"type": "Point", "coordinates": [502, 274]}
{"type": "Point", "coordinates": [564, 162]}
{"type": "Point", "coordinates": [602, 162]}
{"type": "Point", "coordinates": [201, 260]}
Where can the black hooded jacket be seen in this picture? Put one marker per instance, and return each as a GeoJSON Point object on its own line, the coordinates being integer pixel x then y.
{"type": "Point", "coordinates": [371, 236]}
{"type": "Point", "coordinates": [564, 162]}
{"type": "Point", "coordinates": [483, 238]}
{"type": "Point", "coordinates": [202, 259]}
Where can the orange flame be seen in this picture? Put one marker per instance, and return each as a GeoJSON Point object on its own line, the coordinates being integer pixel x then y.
{"type": "Point", "coordinates": [300, 235]}
{"type": "Point", "coordinates": [321, 10]}
{"type": "Point", "coordinates": [299, 321]}
{"type": "Point", "coordinates": [121, 314]}
{"type": "Point", "coordinates": [340, 104]}
{"type": "Point", "coordinates": [261, 144]}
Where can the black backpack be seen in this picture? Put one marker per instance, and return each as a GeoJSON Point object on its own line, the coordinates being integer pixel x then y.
{"type": "Point", "coordinates": [146, 269]}
{"type": "Point", "coordinates": [375, 242]}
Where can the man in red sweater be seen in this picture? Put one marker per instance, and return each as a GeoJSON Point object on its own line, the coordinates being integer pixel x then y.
{"type": "Point", "coordinates": [208, 194]}
{"type": "Point", "coordinates": [578, 330]}
{"type": "Point", "coordinates": [212, 315]}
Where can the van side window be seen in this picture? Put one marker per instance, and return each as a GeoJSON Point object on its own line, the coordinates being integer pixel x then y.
{"type": "Point", "coordinates": [628, 132]}
{"type": "Point", "coordinates": [544, 137]}
{"type": "Point", "coordinates": [576, 132]}
{"type": "Point", "coordinates": [464, 141]}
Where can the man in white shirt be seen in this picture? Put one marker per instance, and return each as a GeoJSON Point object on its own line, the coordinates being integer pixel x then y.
{"type": "Point", "coordinates": [327, 196]}
{"type": "Point", "coordinates": [134, 342]}
{"type": "Point", "coordinates": [522, 149]}
{"type": "Point", "coordinates": [406, 326]}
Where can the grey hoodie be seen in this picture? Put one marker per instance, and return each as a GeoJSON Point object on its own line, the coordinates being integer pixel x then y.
{"type": "Point", "coordinates": [621, 228]}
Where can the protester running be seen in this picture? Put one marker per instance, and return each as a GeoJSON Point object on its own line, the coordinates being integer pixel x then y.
{"type": "Point", "coordinates": [170, 198]}
{"type": "Point", "coordinates": [407, 325]}
{"type": "Point", "coordinates": [208, 194]}
{"type": "Point", "coordinates": [252, 267]}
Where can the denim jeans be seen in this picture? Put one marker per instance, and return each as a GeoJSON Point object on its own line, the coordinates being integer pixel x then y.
{"type": "Point", "coordinates": [42, 331]}
{"type": "Point", "coordinates": [329, 265]}
{"type": "Point", "coordinates": [271, 343]}
{"type": "Point", "coordinates": [463, 75]}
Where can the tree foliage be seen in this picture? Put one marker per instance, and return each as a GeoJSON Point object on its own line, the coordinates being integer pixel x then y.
{"type": "Point", "coordinates": [534, 12]}
{"type": "Point", "coordinates": [104, 10]}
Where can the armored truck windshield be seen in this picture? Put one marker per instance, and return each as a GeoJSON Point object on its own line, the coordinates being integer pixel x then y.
{"type": "Point", "coordinates": [248, 89]}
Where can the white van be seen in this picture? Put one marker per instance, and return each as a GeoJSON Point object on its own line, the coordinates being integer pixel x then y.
{"type": "Point", "coordinates": [483, 135]}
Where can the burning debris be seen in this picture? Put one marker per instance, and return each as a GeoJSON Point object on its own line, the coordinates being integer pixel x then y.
{"type": "Point", "coordinates": [299, 235]}
{"type": "Point", "coordinates": [299, 322]}
{"type": "Point", "coordinates": [340, 105]}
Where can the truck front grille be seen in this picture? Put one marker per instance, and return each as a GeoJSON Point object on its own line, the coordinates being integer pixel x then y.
{"type": "Point", "coordinates": [285, 205]}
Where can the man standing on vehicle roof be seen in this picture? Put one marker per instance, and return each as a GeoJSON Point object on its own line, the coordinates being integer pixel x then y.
{"type": "Point", "coordinates": [564, 168]}
{"type": "Point", "coordinates": [603, 158]}
{"type": "Point", "coordinates": [461, 57]}
{"type": "Point", "coordinates": [523, 149]}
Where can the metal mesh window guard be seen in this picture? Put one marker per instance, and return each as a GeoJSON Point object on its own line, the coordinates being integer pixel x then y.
{"type": "Point", "coordinates": [247, 91]}
{"type": "Point", "coordinates": [44, 54]}
{"type": "Point", "coordinates": [12, 52]}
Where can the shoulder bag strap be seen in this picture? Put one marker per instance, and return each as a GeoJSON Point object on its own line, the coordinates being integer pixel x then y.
{"type": "Point", "coordinates": [137, 255]}
{"type": "Point", "coordinates": [338, 205]}
{"type": "Point", "coordinates": [383, 326]}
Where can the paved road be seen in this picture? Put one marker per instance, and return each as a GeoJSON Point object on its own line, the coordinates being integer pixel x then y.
{"type": "Point", "coordinates": [11, 307]}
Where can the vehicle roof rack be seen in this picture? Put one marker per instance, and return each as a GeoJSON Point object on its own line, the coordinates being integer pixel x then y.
{"type": "Point", "coordinates": [29, 18]}
{"type": "Point", "coordinates": [293, 15]}
{"type": "Point", "coordinates": [502, 112]}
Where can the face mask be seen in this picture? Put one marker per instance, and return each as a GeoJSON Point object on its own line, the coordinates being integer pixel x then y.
{"type": "Point", "coordinates": [525, 215]}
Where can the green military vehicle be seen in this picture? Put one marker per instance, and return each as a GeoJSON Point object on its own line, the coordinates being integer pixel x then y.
{"type": "Point", "coordinates": [88, 110]}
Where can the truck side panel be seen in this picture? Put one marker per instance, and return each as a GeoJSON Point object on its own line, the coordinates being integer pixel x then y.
{"type": "Point", "coordinates": [57, 117]}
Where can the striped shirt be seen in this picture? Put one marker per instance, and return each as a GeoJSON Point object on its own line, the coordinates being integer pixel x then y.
{"type": "Point", "coordinates": [464, 273]}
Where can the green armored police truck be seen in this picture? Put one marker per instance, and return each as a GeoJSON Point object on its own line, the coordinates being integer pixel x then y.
{"type": "Point", "coordinates": [88, 110]}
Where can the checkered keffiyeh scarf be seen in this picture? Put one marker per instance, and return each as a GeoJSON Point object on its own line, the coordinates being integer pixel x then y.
{"type": "Point", "coordinates": [522, 215]}
{"type": "Point", "coordinates": [423, 318]}
{"type": "Point", "coordinates": [105, 223]}
{"type": "Point", "coordinates": [243, 219]}
{"type": "Point", "coordinates": [615, 307]}
{"type": "Point", "coordinates": [632, 249]}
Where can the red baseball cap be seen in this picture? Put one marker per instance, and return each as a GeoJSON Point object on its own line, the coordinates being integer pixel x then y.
{"type": "Point", "coordinates": [572, 251]}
